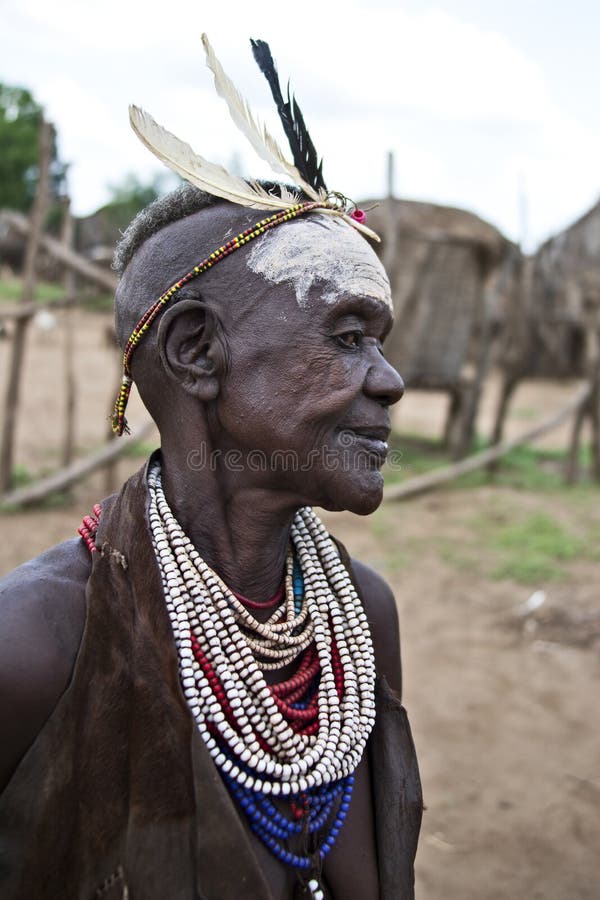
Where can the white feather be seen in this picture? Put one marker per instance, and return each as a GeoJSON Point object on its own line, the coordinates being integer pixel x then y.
{"type": "Point", "coordinates": [288, 196]}
{"type": "Point", "coordinates": [364, 229]}
{"type": "Point", "coordinates": [210, 177]}
{"type": "Point", "coordinates": [263, 142]}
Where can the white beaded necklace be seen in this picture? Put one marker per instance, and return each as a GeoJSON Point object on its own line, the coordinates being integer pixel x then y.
{"type": "Point", "coordinates": [199, 603]}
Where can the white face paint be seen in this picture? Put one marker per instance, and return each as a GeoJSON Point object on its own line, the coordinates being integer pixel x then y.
{"type": "Point", "coordinates": [323, 249]}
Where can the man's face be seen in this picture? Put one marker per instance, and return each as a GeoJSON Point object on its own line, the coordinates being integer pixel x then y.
{"type": "Point", "coordinates": [306, 401]}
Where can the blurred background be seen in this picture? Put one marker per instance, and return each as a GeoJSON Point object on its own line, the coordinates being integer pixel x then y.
{"type": "Point", "coordinates": [476, 130]}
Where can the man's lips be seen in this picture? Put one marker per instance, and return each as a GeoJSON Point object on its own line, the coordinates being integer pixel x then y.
{"type": "Point", "coordinates": [371, 438]}
{"type": "Point", "coordinates": [373, 432]}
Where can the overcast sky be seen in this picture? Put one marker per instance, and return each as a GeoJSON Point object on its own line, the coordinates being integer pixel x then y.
{"type": "Point", "coordinates": [489, 106]}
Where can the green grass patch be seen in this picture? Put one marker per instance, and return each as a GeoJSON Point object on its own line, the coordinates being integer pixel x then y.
{"type": "Point", "coordinates": [505, 542]}
{"type": "Point", "coordinates": [508, 545]}
{"type": "Point", "coordinates": [461, 555]}
{"type": "Point", "coordinates": [46, 291]}
{"type": "Point", "coordinates": [524, 468]}
{"type": "Point", "coordinates": [534, 549]}
{"type": "Point", "coordinates": [21, 477]}
{"type": "Point", "coordinates": [12, 288]}
{"type": "Point", "coordinates": [56, 500]}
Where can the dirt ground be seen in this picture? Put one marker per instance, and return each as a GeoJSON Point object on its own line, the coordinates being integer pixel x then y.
{"type": "Point", "coordinates": [501, 681]}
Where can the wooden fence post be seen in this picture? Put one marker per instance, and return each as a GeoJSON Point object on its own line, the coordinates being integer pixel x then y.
{"type": "Point", "coordinates": [57, 250]}
{"type": "Point", "coordinates": [13, 387]}
{"type": "Point", "coordinates": [110, 468]}
{"type": "Point", "coordinates": [69, 344]}
{"type": "Point", "coordinates": [390, 231]}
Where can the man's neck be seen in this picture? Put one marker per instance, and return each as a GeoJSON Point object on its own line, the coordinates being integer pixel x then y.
{"type": "Point", "coordinates": [241, 532]}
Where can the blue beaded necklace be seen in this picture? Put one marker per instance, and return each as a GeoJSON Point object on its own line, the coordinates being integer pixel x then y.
{"type": "Point", "coordinates": [324, 808]}
{"type": "Point", "coordinates": [273, 828]}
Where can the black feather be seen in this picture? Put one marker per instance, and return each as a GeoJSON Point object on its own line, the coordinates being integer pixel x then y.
{"type": "Point", "coordinates": [303, 150]}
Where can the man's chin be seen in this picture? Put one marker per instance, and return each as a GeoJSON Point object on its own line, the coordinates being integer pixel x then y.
{"type": "Point", "coordinates": [360, 496]}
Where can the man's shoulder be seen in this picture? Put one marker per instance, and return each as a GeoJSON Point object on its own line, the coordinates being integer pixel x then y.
{"type": "Point", "coordinates": [377, 595]}
{"type": "Point", "coordinates": [47, 587]}
{"type": "Point", "coordinates": [382, 613]}
{"type": "Point", "coordinates": [42, 615]}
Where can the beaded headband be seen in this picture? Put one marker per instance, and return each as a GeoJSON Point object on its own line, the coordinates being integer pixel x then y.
{"type": "Point", "coordinates": [305, 173]}
{"type": "Point", "coordinates": [119, 422]}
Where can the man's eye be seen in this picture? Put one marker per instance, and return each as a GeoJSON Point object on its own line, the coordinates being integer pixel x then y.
{"type": "Point", "coordinates": [349, 339]}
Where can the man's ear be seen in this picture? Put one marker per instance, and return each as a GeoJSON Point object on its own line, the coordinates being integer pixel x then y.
{"type": "Point", "coordinates": [190, 345]}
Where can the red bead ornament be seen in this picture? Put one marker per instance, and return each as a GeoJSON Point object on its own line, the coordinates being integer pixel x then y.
{"type": "Point", "coordinates": [359, 215]}
{"type": "Point", "coordinates": [89, 527]}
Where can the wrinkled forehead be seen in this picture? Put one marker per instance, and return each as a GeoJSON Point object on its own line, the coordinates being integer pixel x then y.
{"type": "Point", "coordinates": [324, 250]}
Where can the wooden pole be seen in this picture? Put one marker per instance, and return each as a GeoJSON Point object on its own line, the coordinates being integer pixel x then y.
{"type": "Point", "coordinates": [110, 469]}
{"type": "Point", "coordinates": [508, 386]}
{"type": "Point", "coordinates": [28, 310]}
{"type": "Point", "coordinates": [13, 387]}
{"type": "Point", "coordinates": [69, 345]}
{"type": "Point", "coordinates": [390, 175]}
{"type": "Point", "coordinates": [66, 478]}
{"type": "Point", "coordinates": [390, 229]}
{"type": "Point", "coordinates": [593, 361]}
{"type": "Point", "coordinates": [423, 483]}
{"type": "Point", "coordinates": [57, 250]}
{"type": "Point", "coordinates": [572, 468]}
{"type": "Point", "coordinates": [593, 408]}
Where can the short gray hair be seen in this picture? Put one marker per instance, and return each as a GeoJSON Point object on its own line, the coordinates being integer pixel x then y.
{"type": "Point", "coordinates": [182, 202]}
{"type": "Point", "coordinates": [177, 204]}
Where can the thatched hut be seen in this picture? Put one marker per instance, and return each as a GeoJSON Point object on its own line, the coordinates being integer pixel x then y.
{"type": "Point", "coordinates": [548, 322]}
{"type": "Point", "coordinates": [447, 268]}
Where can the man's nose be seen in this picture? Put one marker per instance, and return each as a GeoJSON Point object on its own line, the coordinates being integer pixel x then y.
{"type": "Point", "coordinates": [383, 382]}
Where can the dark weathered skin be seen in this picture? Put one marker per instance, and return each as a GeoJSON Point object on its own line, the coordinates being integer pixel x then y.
{"type": "Point", "coordinates": [289, 378]}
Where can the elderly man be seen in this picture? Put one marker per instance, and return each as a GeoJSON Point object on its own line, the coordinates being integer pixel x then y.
{"type": "Point", "coordinates": [199, 707]}
{"type": "Point", "coordinates": [201, 699]}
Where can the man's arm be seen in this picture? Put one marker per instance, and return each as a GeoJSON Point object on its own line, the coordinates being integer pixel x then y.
{"type": "Point", "coordinates": [380, 607]}
{"type": "Point", "coordinates": [42, 614]}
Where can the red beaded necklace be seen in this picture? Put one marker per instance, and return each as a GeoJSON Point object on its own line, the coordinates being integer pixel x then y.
{"type": "Point", "coordinates": [296, 697]}
{"type": "Point", "coordinates": [262, 604]}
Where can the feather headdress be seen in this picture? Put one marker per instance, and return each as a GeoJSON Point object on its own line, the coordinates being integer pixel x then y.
{"type": "Point", "coordinates": [300, 141]}
{"type": "Point", "coordinates": [305, 172]}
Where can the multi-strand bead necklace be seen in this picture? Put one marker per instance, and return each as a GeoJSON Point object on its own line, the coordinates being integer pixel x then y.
{"type": "Point", "coordinates": [300, 739]}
